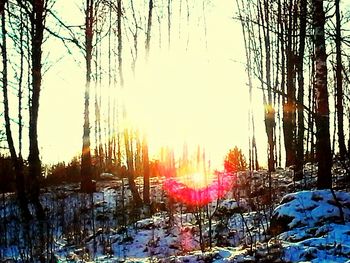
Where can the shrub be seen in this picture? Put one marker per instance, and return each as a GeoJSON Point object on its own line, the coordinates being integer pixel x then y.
{"type": "Point", "coordinates": [61, 172]}
{"type": "Point", "coordinates": [235, 161]}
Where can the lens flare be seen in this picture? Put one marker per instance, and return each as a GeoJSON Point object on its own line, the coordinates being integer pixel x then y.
{"type": "Point", "coordinates": [201, 190]}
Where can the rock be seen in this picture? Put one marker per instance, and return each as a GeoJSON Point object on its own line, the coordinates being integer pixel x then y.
{"type": "Point", "coordinates": [308, 209]}
{"type": "Point", "coordinates": [279, 224]}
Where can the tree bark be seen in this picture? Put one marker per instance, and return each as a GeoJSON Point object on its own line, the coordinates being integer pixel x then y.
{"type": "Point", "coordinates": [169, 23]}
{"type": "Point", "coordinates": [97, 128]}
{"type": "Point", "coordinates": [146, 172]}
{"type": "Point", "coordinates": [300, 109]}
{"type": "Point", "coordinates": [37, 21]}
{"type": "Point", "coordinates": [145, 159]}
{"type": "Point", "coordinates": [339, 82]}
{"type": "Point", "coordinates": [289, 107]}
{"type": "Point", "coordinates": [109, 122]}
{"type": "Point", "coordinates": [120, 43]}
{"type": "Point", "coordinates": [20, 87]}
{"type": "Point", "coordinates": [270, 123]}
{"type": "Point", "coordinates": [138, 154]}
{"type": "Point", "coordinates": [149, 27]}
{"type": "Point", "coordinates": [323, 148]}
{"type": "Point", "coordinates": [86, 164]}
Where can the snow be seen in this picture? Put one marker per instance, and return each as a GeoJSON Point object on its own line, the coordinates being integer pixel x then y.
{"type": "Point", "coordinates": [216, 254]}
{"type": "Point", "coordinates": [315, 233]}
{"type": "Point", "coordinates": [107, 176]}
{"type": "Point", "coordinates": [305, 227]}
{"type": "Point", "coordinates": [307, 208]}
{"type": "Point", "coordinates": [232, 205]}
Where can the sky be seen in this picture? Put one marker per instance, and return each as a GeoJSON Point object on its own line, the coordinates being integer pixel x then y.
{"type": "Point", "coordinates": [198, 96]}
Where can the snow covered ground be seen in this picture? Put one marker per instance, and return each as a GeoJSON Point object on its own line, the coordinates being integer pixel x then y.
{"type": "Point", "coordinates": [105, 227]}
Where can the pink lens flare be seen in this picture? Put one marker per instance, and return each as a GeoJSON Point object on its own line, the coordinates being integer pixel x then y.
{"type": "Point", "coordinates": [194, 196]}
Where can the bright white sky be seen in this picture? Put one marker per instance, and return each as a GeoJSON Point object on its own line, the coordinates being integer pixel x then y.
{"type": "Point", "coordinates": [199, 97]}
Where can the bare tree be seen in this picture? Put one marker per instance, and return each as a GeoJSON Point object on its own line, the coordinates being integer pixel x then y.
{"type": "Point", "coordinates": [149, 28]}
{"type": "Point", "coordinates": [17, 162]}
{"type": "Point", "coordinates": [300, 101]}
{"type": "Point", "coordinates": [169, 23]}
{"type": "Point", "coordinates": [127, 134]}
{"type": "Point", "coordinates": [37, 18]}
{"type": "Point", "coordinates": [323, 147]}
{"type": "Point", "coordinates": [145, 159]}
{"type": "Point", "coordinates": [339, 82]}
{"type": "Point", "coordinates": [289, 106]}
{"type": "Point", "coordinates": [86, 165]}
{"type": "Point", "coordinates": [270, 123]}
{"type": "Point", "coordinates": [249, 44]}
{"type": "Point", "coordinates": [146, 172]}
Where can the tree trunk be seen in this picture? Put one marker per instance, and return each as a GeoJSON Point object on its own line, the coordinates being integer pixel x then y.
{"type": "Point", "coordinates": [98, 153]}
{"type": "Point", "coordinates": [127, 140]}
{"type": "Point", "coordinates": [269, 109]}
{"type": "Point", "coordinates": [37, 20]}
{"type": "Point", "coordinates": [20, 86]}
{"type": "Point", "coordinates": [270, 125]}
{"type": "Point", "coordinates": [131, 171]}
{"type": "Point", "coordinates": [289, 106]}
{"type": "Point", "coordinates": [249, 46]}
{"type": "Point", "coordinates": [120, 43]}
{"type": "Point", "coordinates": [146, 172]}
{"type": "Point", "coordinates": [169, 23]}
{"type": "Point", "coordinates": [281, 100]}
{"type": "Point", "coordinates": [109, 121]}
{"type": "Point", "coordinates": [323, 148]}
{"type": "Point", "coordinates": [86, 165]}
{"type": "Point", "coordinates": [149, 27]}
{"type": "Point", "coordinates": [339, 82]}
{"type": "Point", "coordinates": [138, 153]}
{"type": "Point", "coordinates": [145, 159]}
{"type": "Point", "coordinates": [135, 37]}
{"type": "Point", "coordinates": [300, 108]}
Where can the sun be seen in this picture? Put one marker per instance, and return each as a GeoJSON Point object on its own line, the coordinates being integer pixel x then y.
{"type": "Point", "coordinates": [200, 180]}
{"type": "Point", "coordinates": [178, 97]}
{"type": "Point", "coordinates": [194, 173]}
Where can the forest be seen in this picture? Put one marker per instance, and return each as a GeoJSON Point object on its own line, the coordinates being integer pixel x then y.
{"type": "Point", "coordinates": [175, 131]}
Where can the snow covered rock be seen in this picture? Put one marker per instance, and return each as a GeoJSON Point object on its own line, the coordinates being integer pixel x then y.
{"type": "Point", "coordinates": [216, 254]}
{"type": "Point", "coordinates": [107, 176]}
{"type": "Point", "coordinates": [308, 225]}
{"type": "Point", "coordinates": [231, 206]}
{"type": "Point", "coordinates": [309, 208]}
